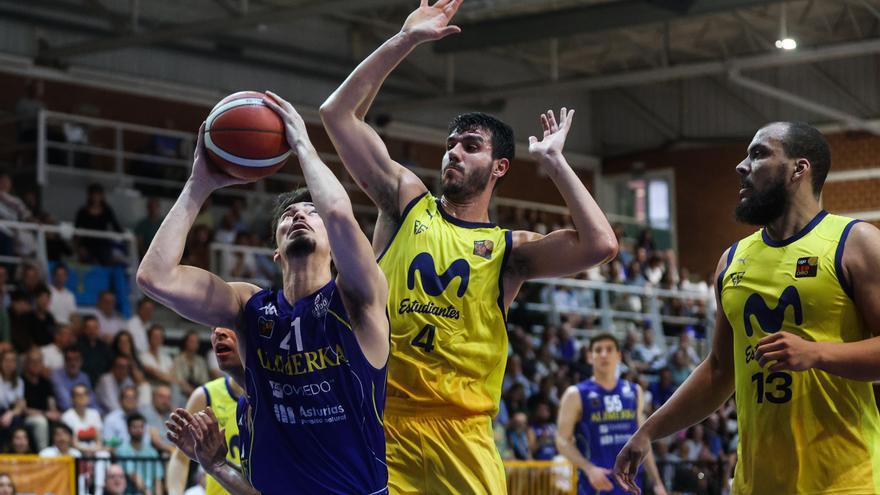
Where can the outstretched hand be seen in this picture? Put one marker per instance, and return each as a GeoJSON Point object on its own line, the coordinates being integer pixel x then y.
{"type": "Point", "coordinates": [294, 125]}
{"type": "Point", "coordinates": [207, 174]}
{"type": "Point", "coordinates": [554, 134]}
{"type": "Point", "coordinates": [431, 22]}
{"type": "Point", "coordinates": [626, 466]}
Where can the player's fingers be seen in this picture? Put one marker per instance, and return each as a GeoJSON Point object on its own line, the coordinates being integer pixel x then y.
{"type": "Point", "coordinates": [771, 338]}
{"type": "Point", "coordinates": [569, 119]}
{"type": "Point", "coordinates": [772, 348]}
{"type": "Point", "coordinates": [423, 3]}
{"type": "Point", "coordinates": [545, 124]}
{"type": "Point", "coordinates": [781, 366]}
{"type": "Point", "coordinates": [780, 356]}
{"type": "Point", "coordinates": [532, 140]}
{"type": "Point", "coordinates": [449, 30]}
{"type": "Point", "coordinates": [210, 413]}
{"type": "Point", "coordinates": [452, 7]}
{"type": "Point", "coordinates": [552, 119]}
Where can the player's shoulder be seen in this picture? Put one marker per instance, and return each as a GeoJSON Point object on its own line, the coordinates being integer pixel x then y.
{"type": "Point", "coordinates": [863, 236]}
{"type": "Point", "coordinates": [520, 237]}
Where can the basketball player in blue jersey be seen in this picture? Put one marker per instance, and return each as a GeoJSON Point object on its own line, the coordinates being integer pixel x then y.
{"type": "Point", "coordinates": [222, 395]}
{"type": "Point", "coordinates": [597, 417]}
{"type": "Point", "coordinates": [451, 272]}
{"type": "Point", "coordinates": [797, 334]}
{"type": "Point", "coordinates": [314, 351]}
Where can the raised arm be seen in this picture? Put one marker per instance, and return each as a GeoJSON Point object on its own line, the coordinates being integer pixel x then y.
{"type": "Point", "coordinates": [388, 184]}
{"type": "Point", "coordinates": [362, 283]}
{"type": "Point", "coordinates": [570, 412]}
{"type": "Point", "coordinates": [858, 360]}
{"type": "Point", "coordinates": [704, 391]}
{"type": "Point", "coordinates": [562, 252]}
{"type": "Point", "coordinates": [192, 292]}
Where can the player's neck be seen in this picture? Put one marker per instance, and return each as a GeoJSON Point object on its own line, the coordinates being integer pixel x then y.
{"type": "Point", "coordinates": [234, 380]}
{"type": "Point", "coordinates": [799, 213]}
{"type": "Point", "coordinates": [605, 380]}
{"type": "Point", "coordinates": [473, 209]}
{"type": "Point", "coordinates": [302, 279]}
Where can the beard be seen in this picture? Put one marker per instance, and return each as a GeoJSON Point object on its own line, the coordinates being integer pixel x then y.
{"type": "Point", "coordinates": [468, 186]}
{"type": "Point", "coordinates": [300, 246]}
{"type": "Point", "coordinates": [765, 207]}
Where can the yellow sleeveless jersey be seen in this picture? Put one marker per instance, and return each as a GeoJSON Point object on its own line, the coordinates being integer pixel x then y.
{"type": "Point", "coordinates": [448, 328]}
{"type": "Point", "coordinates": [219, 395]}
{"type": "Point", "coordinates": [805, 432]}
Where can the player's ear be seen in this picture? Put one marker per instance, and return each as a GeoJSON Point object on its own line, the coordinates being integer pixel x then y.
{"type": "Point", "coordinates": [801, 167]}
{"type": "Point", "coordinates": [501, 167]}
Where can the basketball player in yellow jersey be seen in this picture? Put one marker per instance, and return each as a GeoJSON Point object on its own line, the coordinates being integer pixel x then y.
{"type": "Point", "coordinates": [451, 273]}
{"type": "Point", "coordinates": [222, 396]}
{"type": "Point", "coordinates": [796, 334]}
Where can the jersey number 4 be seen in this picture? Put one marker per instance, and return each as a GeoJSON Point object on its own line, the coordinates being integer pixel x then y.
{"type": "Point", "coordinates": [285, 343]}
{"type": "Point", "coordinates": [425, 338]}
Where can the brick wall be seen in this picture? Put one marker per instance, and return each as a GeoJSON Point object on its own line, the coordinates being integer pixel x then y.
{"type": "Point", "coordinates": [707, 187]}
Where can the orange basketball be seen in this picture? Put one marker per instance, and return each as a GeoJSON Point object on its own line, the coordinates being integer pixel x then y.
{"type": "Point", "coordinates": [246, 138]}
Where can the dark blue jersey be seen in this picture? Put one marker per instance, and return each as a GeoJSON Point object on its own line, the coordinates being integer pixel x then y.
{"type": "Point", "coordinates": [315, 402]}
{"type": "Point", "coordinates": [608, 421]}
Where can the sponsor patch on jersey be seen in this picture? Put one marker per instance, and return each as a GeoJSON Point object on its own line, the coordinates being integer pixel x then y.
{"type": "Point", "coordinates": [419, 227]}
{"type": "Point", "coordinates": [736, 278]}
{"type": "Point", "coordinates": [322, 304]}
{"type": "Point", "coordinates": [484, 248]}
{"type": "Point", "coordinates": [265, 326]}
{"type": "Point", "coordinates": [806, 267]}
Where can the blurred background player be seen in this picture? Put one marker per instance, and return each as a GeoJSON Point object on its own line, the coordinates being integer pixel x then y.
{"type": "Point", "coordinates": [808, 423]}
{"type": "Point", "coordinates": [449, 339]}
{"type": "Point", "coordinates": [222, 395]}
{"type": "Point", "coordinates": [314, 351]}
{"type": "Point", "coordinates": [597, 417]}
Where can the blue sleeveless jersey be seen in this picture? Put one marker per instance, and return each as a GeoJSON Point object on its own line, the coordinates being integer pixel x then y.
{"type": "Point", "coordinates": [314, 402]}
{"type": "Point", "coordinates": [608, 421]}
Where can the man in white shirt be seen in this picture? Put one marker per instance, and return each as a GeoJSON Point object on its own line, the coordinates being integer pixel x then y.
{"type": "Point", "coordinates": [115, 423]}
{"type": "Point", "coordinates": [108, 319]}
{"type": "Point", "coordinates": [53, 354]}
{"type": "Point", "coordinates": [138, 324]}
{"type": "Point", "coordinates": [62, 303]}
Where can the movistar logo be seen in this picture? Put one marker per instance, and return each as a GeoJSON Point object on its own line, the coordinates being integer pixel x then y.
{"type": "Point", "coordinates": [434, 284]}
{"type": "Point", "coordinates": [771, 320]}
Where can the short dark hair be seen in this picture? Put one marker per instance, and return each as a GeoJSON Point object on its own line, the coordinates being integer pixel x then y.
{"type": "Point", "coordinates": [604, 336]}
{"type": "Point", "coordinates": [283, 202]}
{"type": "Point", "coordinates": [71, 350]}
{"type": "Point", "coordinates": [142, 301]}
{"type": "Point", "coordinates": [94, 188]}
{"type": "Point", "coordinates": [503, 143]}
{"type": "Point", "coordinates": [802, 140]}
{"type": "Point", "coordinates": [59, 266]}
{"type": "Point", "coordinates": [42, 289]}
{"type": "Point", "coordinates": [135, 416]}
{"type": "Point", "coordinates": [88, 318]}
{"type": "Point", "coordinates": [62, 426]}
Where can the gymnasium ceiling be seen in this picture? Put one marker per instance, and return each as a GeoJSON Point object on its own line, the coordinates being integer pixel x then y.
{"type": "Point", "coordinates": [639, 53]}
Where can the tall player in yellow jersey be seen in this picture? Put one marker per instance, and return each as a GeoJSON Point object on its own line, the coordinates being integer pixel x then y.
{"type": "Point", "coordinates": [222, 396]}
{"type": "Point", "coordinates": [451, 272]}
{"type": "Point", "coordinates": [796, 334]}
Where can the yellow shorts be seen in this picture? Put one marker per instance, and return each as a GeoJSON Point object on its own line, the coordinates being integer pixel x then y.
{"type": "Point", "coordinates": [437, 455]}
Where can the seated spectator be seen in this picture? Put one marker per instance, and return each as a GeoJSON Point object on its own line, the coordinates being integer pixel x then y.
{"type": "Point", "coordinates": [545, 364]}
{"type": "Point", "coordinates": [156, 414]}
{"type": "Point", "coordinates": [648, 352]}
{"type": "Point", "coordinates": [190, 368]}
{"type": "Point", "coordinates": [118, 483]}
{"type": "Point", "coordinates": [567, 348]}
{"type": "Point", "coordinates": [70, 375]}
{"type": "Point", "coordinates": [44, 323]}
{"type": "Point", "coordinates": [109, 320]}
{"type": "Point", "coordinates": [515, 399]}
{"type": "Point", "coordinates": [158, 365]}
{"type": "Point", "coordinates": [662, 389]}
{"type": "Point", "coordinates": [513, 374]}
{"type": "Point", "coordinates": [22, 322]}
{"type": "Point", "coordinates": [95, 352]}
{"type": "Point", "coordinates": [85, 422]}
{"type": "Point", "coordinates": [53, 354]}
{"type": "Point", "coordinates": [110, 383]}
{"type": "Point", "coordinates": [582, 368]}
{"type": "Point", "coordinates": [145, 475]}
{"type": "Point", "coordinates": [62, 438]}
{"type": "Point", "coordinates": [123, 345]}
{"type": "Point", "coordinates": [96, 214]}
{"type": "Point", "coordinates": [7, 487]}
{"type": "Point", "coordinates": [137, 325]}
{"type": "Point", "coordinates": [39, 398]}
{"type": "Point", "coordinates": [679, 367]}
{"type": "Point", "coordinates": [146, 228]}
{"type": "Point", "coordinates": [542, 433]}
{"type": "Point", "coordinates": [518, 437]}
{"type": "Point", "coordinates": [116, 423]}
{"type": "Point", "coordinates": [546, 393]}
{"type": "Point", "coordinates": [19, 443]}
{"type": "Point", "coordinates": [686, 345]}
{"type": "Point", "coordinates": [62, 303]}
{"type": "Point", "coordinates": [11, 208]}
{"type": "Point", "coordinates": [198, 249]}
{"type": "Point", "coordinates": [12, 403]}
{"type": "Point", "coordinates": [28, 280]}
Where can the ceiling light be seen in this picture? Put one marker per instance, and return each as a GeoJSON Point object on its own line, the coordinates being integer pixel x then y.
{"type": "Point", "coordinates": [786, 44]}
